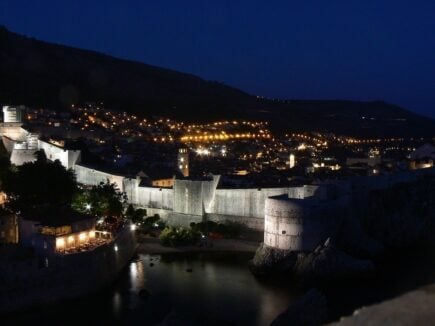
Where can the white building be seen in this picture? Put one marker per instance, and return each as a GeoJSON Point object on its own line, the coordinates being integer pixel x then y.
{"type": "Point", "coordinates": [12, 114]}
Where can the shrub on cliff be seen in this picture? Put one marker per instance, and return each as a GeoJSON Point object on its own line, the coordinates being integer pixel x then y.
{"type": "Point", "coordinates": [172, 237]}
{"type": "Point", "coordinates": [153, 221]}
{"type": "Point", "coordinates": [135, 215]}
{"type": "Point", "coordinates": [227, 229]}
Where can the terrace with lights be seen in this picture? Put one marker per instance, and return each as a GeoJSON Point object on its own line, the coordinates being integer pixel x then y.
{"type": "Point", "coordinates": [63, 231]}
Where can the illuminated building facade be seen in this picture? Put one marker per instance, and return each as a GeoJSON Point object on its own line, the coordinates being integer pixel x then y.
{"type": "Point", "coordinates": [12, 114]}
{"type": "Point", "coordinates": [60, 232]}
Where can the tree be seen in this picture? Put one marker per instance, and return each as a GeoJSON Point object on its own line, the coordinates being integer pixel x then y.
{"type": "Point", "coordinates": [135, 215]}
{"type": "Point", "coordinates": [40, 156]}
{"type": "Point", "coordinates": [104, 199]}
{"type": "Point", "coordinates": [5, 164]}
{"type": "Point", "coordinates": [5, 170]}
{"type": "Point", "coordinates": [39, 183]}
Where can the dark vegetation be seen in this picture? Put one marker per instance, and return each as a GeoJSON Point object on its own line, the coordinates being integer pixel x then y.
{"type": "Point", "coordinates": [104, 199]}
{"type": "Point", "coordinates": [179, 236]}
{"type": "Point", "coordinates": [213, 229]}
{"type": "Point", "coordinates": [39, 183]}
{"type": "Point", "coordinates": [173, 236]}
{"type": "Point", "coordinates": [48, 185]}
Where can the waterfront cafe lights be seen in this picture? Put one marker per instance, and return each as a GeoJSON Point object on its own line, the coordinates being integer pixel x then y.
{"type": "Point", "coordinates": [82, 238]}
{"type": "Point", "coordinates": [73, 240]}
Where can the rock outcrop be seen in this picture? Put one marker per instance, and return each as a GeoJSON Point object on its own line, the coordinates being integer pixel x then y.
{"type": "Point", "coordinates": [328, 263]}
{"type": "Point", "coordinates": [268, 260]}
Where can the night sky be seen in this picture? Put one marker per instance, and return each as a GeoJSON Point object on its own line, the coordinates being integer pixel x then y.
{"type": "Point", "coordinates": [360, 50]}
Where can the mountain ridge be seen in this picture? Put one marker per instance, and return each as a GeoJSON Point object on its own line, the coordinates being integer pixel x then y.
{"type": "Point", "coordinates": [39, 73]}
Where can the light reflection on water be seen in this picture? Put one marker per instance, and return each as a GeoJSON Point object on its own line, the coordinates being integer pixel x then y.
{"type": "Point", "coordinates": [219, 290]}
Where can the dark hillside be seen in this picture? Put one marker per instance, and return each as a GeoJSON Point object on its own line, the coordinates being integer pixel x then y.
{"type": "Point", "coordinates": [37, 73]}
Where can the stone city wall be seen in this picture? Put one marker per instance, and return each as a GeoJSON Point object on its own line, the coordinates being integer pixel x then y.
{"type": "Point", "coordinates": [184, 220]}
{"type": "Point", "coordinates": [21, 156]}
{"type": "Point", "coordinates": [189, 196]}
{"type": "Point", "coordinates": [247, 203]}
{"type": "Point", "coordinates": [92, 177]}
{"type": "Point", "coordinates": [254, 223]}
{"type": "Point", "coordinates": [68, 158]}
{"type": "Point", "coordinates": [13, 131]}
{"type": "Point", "coordinates": [159, 198]}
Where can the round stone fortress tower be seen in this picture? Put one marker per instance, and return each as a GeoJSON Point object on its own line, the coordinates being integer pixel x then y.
{"type": "Point", "coordinates": [303, 219]}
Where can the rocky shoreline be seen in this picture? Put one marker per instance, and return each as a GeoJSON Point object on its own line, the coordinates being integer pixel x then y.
{"type": "Point", "coordinates": [326, 263]}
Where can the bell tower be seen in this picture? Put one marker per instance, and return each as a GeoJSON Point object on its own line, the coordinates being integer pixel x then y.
{"type": "Point", "coordinates": [183, 161]}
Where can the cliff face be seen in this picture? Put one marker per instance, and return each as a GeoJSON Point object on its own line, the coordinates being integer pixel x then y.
{"type": "Point", "coordinates": [403, 215]}
{"type": "Point", "coordinates": [37, 73]}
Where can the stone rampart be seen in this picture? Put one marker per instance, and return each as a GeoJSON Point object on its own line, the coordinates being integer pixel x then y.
{"type": "Point", "coordinates": [247, 203]}
{"type": "Point", "coordinates": [68, 158]}
{"type": "Point", "coordinates": [88, 176]}
{"type": "Point", "coordinates": [21, 156]}
{"type": "Point", "coordinates": [152, 197]}
{"type": "Point", "coordinates": [299, 224]}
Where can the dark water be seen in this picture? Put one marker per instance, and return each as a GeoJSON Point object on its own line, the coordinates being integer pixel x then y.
{"type": "Point", "coordinates": [219, 290]}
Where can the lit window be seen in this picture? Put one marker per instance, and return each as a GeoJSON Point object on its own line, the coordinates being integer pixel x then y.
{"type": "Point", "coordinates": [60, 243]}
